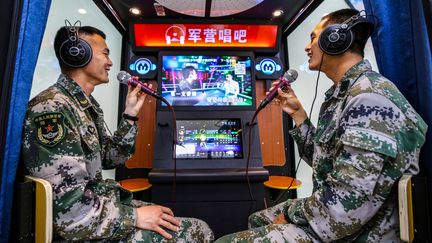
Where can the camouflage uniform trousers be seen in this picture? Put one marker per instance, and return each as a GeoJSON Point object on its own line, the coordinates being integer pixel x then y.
{"type": "Point", "coordinates": [262, 229]}
{"type": "Point", "coordinates": [191, 231]}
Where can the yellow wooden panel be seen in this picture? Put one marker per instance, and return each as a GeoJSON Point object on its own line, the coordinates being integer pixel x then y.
{"type": "Point", "coordinates": [270, 129]}
{"type": "Point", "coordinates": [43, 207]}
{"type": "Point", "coordinates": [144, 147]}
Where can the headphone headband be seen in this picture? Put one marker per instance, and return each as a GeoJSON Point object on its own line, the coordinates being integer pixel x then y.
{"type": "Point", "coordinates": [74, 51]}
{"type": "Point", "coordinates": [359, 19]}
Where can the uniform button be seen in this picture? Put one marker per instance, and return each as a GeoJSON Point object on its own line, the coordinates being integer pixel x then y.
{"type": "Point", "coordinates": [91, 129]}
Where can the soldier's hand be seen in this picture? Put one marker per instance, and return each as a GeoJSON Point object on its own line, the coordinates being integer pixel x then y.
{"type": "Point", "coordinates": [134, 100]}
{"type": "Point", "coordinates": [155, 218]}
{"type": "Point", "coordinates": [291, 105]}
{"type": "Point", "coordinates": [280, 219]}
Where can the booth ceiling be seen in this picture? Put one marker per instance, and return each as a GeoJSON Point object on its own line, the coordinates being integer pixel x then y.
{"type": "Point", "coordinates": [218, 8]}
{"type": "Point", "coordinates": [249, 10]}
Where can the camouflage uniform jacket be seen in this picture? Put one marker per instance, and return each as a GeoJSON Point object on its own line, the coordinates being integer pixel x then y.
{"type": "Point", "coordinates": [367, 136]}
{"type": "Point", "coordinates": [65, 142]}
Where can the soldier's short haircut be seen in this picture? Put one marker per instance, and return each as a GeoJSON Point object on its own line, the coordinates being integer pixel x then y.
{"type": "Point", "coordinates": [361, 31]}
{"type": "Point", "coordinates": [62, 35]}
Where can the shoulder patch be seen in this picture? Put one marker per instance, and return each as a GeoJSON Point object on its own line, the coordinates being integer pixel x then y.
{"type": "Point", "coordinates": [50, 129]}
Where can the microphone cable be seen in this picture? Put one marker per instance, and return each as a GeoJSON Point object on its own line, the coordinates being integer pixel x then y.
{"type": "Point", "coordinates": [174, 146]}
{"type": "Point", "coordinates": [125, 78]}
{"type": "Point", "coordinates": [285, 191]}
{"type": "Point", "coordinates": [251, 124]}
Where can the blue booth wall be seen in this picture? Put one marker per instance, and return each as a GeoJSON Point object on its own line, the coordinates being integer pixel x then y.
{"type": "Point", "coordinates": [402, 50]}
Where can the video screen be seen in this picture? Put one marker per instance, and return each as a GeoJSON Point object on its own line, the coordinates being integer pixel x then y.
{"type": "Point", "coordinates": [209, 139]}
{"type": "Point", "coordinates": [202, 81]}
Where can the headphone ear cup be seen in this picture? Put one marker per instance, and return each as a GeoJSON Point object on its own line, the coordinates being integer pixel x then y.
{"type": "Point", "coordinates": [75, 56]}
{"type": "Point", "coordinates": [335, 40]}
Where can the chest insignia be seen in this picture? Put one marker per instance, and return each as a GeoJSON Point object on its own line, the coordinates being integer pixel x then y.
{"type": "Point", "coordinates": [50, 128]}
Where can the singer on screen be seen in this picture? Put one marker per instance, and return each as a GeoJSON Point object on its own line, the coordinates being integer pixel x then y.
{"type": "Point", "coordinates": [189, 76]}
{"type": "Point", "coordinates": [366, 138]}
{"type": "Point", "coordinates": [65, 142]}
{"type": "Point", "coordinates": [230, 86]}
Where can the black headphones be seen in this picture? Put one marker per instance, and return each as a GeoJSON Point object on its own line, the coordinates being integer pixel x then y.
{"type": "Point", "coordinates": [74, 52]}
{"type": "Point", "coordinates": [337, 38]}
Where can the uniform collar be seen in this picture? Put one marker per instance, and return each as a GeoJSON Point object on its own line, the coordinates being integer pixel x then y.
{"type": "Point", "coordinates": [341, 89]}
{"type": "Point", "coordinates": [77, 93]}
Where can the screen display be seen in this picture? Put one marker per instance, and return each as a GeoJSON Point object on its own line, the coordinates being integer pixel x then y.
{"type": "Point", "coordinates": [204, 81]}
{"type": "Point", "coordinates": [209, 139]}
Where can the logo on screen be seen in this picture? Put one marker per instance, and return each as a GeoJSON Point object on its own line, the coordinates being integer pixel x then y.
{"type": "Point", "coordinates": [268, 67]}
{"type": "Point", "coordinates": [175, 34]}
{"type": "Point", "coordinates": [143, 67]}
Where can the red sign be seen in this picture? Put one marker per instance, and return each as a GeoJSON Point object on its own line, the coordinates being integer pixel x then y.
{"type": "Point", "coordinates": [205, 35]}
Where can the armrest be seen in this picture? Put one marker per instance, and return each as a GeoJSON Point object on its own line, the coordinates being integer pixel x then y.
{"type": "Point", "coordinates": [43, 208]}
{"type": "Point", "coordinates": [406, 222]}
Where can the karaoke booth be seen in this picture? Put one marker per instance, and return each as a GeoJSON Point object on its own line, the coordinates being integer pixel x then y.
{"type": "Point", "coordinates": [205, 151]}
{"type": "Point", "coordinates": [207, 159]}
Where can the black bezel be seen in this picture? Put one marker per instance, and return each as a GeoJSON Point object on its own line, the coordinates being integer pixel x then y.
{"type": "Point", "coordinates": [207, 53]}
{"type": "Point", "coordinates": [239, 120]}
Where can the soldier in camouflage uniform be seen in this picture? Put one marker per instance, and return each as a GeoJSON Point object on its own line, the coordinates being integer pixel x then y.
{"type": "Point", "coordinates": [66, 143]}
{"type": "Point", "coordinates": [367, 136]}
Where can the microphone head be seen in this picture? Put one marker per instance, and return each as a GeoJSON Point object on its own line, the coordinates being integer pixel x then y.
{"type": "Point", "coordinates": [123, 77]}
{"type": "Point", "coordinates": [290, 75]}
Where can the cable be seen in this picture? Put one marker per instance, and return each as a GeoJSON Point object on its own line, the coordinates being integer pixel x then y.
{"type": "Point", "coordinates": [250, 125]}
{"type": "Point", "coordinates": [281, 195]}
{"type": "Point", "coordinates": [174, 145]}
{"type": "Point", "coordinates": [106, 126]}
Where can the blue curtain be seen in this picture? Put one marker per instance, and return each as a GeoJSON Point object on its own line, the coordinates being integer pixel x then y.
{"type": "Point", "coordinates": [403, 54]}
{"type": "Point", "coordinates": [32, 27]}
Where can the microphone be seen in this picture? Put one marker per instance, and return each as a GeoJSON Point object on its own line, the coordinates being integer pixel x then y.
{"type": "Point", "coordinates": [125, 78]}
{"type": "Point", "coordinates": [289, 77]}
